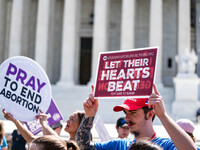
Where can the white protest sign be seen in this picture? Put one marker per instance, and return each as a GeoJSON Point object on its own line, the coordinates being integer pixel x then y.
{"type": "Point", "coordinates": [24, 88]}
{"type": "Point", "coordinates": [101, 130]}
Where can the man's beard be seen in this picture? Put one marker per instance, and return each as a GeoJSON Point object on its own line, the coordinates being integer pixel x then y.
{"type": "Point", "coordinates": [135, 133]}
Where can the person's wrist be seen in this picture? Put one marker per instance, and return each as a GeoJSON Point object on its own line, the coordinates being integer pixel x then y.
{"type": "Point", "coordinates": [87, 116]}
{"type": "Point", "coordinates": [162, 116]}
{"type": "Point", "coordinates": [90, 115]}
{"type": "Point", "coordinates": [44, 123]}
{"type": "Point", "coordinates": [14, 121]}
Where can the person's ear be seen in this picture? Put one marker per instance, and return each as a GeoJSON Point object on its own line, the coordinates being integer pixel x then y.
{"type": "Point", "coordinates": [150, 114]}
{"type": "Point", "coordinates": [116, 127]}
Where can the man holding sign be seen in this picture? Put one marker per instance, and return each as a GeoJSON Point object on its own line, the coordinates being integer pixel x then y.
{"type": "Point", "coordinates": [130, 74]}
{"type": "Point", "coordinates": [139, 116]}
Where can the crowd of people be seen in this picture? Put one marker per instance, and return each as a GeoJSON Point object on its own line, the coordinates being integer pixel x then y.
{"type": "Point", "coordinates": [139, 115]}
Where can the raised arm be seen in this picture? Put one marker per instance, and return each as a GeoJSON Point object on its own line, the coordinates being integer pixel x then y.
{"type": "Point", "coordinates": [27, 135]}
{"type": "Point", "coordinates": [46, 129]}
{"type": "Point", "coordinates": [180, 139]}
{"type": "Point", "coordinates": [83, 134]}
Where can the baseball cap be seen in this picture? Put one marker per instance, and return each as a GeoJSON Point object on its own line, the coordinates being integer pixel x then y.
{"type": "Point", "coordinates": [132, 104]}
{"type": "Point", "coordinates": [121, 122]}
{"type": "Point", "coordinates": [186, 125]}
{"type": "Point", "coordinates": [56, 125]}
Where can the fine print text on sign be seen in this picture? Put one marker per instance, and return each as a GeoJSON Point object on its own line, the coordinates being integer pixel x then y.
{"type": "Point", "coordinates": [127, 73]}
{"type": "Point", "coordinates": [54, 116]}
{"type": "Point", "coordinates": [24, 88]}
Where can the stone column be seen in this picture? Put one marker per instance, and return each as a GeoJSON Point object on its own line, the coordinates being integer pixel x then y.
{"type": "Point", "coordinates": [42, 33]}
{"type": "Point", "coordinates": [70, 42]}
{"type": "Point", "coordinates": [156, 35]}
{"type": "Point", "coordinates": [184, 39]}
{"type": "Point", "coordinates": [186, 82]}
{"type": "Point", "coordinates": [198, 34]}
{"type": "Point", "coordinates": [16, 28]}
{"type": "Point", "coordinates": [128, 24]}
{"type": "Point", "coordinates": [2, 29]}
{"type": "Point", "coordinates": [100, 33]}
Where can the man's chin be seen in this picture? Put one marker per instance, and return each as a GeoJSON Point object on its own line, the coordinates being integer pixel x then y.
{"type": "Point", "coordinates": [135, 133]}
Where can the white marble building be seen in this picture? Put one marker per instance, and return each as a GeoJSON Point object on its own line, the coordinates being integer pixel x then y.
{"type": "Point", "coordinates": [66, 36]}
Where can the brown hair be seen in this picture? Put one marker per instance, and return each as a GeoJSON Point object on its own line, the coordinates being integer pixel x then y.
{"type": "Point", "coordinates": [50, 142]}
{"type": "Point", "coordinates": [192, 136]}
{"type": "Point", "coordinates": [1, 132]}
{"type": "Point", "coordinates": [144, 145]}
{"type": "Point", "coordinates": [146, 110]}
{"type": "Point", "coordinates": [71, 145]}
{"type": "Point", "coordinates": [81, 114]}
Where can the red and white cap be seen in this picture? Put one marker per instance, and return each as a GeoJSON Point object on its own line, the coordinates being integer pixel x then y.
{"type": "Point", "coordinates": [132, 104]}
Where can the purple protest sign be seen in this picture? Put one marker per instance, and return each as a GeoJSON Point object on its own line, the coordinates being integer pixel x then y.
{"type": "Point", "coordinates": [54, 116]}
{"type": "Point", "coordinates": [24, 88]}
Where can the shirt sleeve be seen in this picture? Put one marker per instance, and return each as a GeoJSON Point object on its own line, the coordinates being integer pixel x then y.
{"type": "Point", "coordinates": [4, 144]}
{"type": "Point", "coordinates": [165, 143]}
{"type": "Point", "coordinates": [115, 144]}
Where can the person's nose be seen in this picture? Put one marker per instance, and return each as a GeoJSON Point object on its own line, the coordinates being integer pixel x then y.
{"type": "Point", "coordinates": [127, 118]}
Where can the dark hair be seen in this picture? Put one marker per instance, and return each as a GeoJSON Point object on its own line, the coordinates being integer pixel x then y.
{"type": "Point", "coordinates": [146, 110]}
{"type": "Point", "coordinates": [120, 122]}
{"type": "Point", "coordinates": [71, 145]}
{"type": "Point", "coordinates": [1, 132]}
{"type": "Point", "coordinates": [50, 142]}
{"type": "Point", "coordinates": [144, 145]}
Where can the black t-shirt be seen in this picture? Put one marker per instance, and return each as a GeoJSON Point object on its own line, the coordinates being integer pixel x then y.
{"type": "Point", "coordinates": [18, 142]}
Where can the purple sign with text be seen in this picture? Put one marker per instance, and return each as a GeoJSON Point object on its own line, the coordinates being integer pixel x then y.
{"type": "Point", "coordinates": [54, 116]}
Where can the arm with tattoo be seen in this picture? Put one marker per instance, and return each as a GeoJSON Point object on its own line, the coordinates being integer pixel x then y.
{"type": "Point", "coordinates": [83, 134]}
{"type": "Point", "coordinates": [82, 137]}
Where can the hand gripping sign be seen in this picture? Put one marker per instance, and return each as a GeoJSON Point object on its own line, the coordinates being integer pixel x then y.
{"type": "Point", "coordinates": [54, 116]}
{"type": "Point", "coordinates": [24, 88]}
{"type": "Point", "coordinates": [128, 73]}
